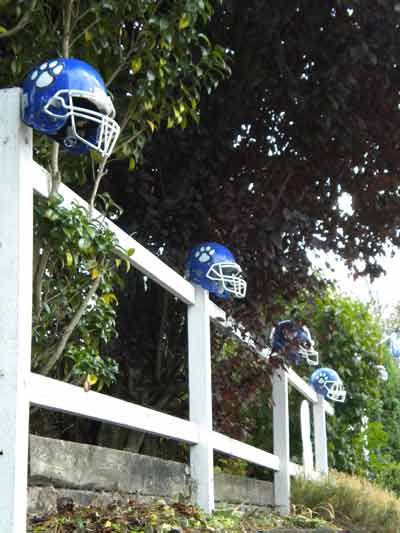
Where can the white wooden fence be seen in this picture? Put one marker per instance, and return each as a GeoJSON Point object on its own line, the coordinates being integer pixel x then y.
{"type": "Point", "coordinates": [19, 387]}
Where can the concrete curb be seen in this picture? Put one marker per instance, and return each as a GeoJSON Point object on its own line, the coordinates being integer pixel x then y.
{"type": "Point", "coordinates": [89, 474]}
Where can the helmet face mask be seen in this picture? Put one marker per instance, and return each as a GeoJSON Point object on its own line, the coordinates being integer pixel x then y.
{"type": "Point", "coordinates": [229, 275]}
{"type": "Point", "coordinates": [67, 100]}
{"type": "Point", "coordinates": [83, 121]}
{"type": "Point", "coordinates": [336, 391]}
{"type": "Point", "coordinates": [309, 355]}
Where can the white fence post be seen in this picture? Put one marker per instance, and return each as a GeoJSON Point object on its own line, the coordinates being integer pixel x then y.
{"type": "Point", "coordinates": [280, 397]}
{"type": "Point", "coordinates": [320, 440]}
{"type": "Point", "coordinates": [16, 223]}
{"type": "Point", "coordinates": [308, 460]}
{"type": "Point", "coordinates": [200, 398]}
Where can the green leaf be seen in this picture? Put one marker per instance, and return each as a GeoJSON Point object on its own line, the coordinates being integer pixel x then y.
{"type": "Point", "coordinates": [109, 297]}
{"type": "Point", "coordinates": [150, 75]}
{"type": "Point", "coordinates": [132, 164]}
{"type": "Point", "coordinates": [3, 29]}
{"type": "Point", "coordinates": [130, 251]}
{"type": "Point", "coordinates": [91, 232]}
{"type": "Point", "coordinates": [94, 273]}
{"type": "Point", "coordinates": [136, 64]}
{"type": "Point", "coordinates": [51, 215]}
{"type": "Point", "coordinates": [70, 259]}
{"type": "Point", "coordinates": [91, 379]}
{"type": "Point", "coordinates": [151, 125]}
{"type": "Point", "coordinates": [84, 244]}
{"type": "Point", "coordinates": [184, 22]}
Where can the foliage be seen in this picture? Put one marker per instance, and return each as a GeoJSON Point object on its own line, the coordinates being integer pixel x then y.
{"type": "Point", "coordinates": [161, 517]}
{"type": "Point", "coordinates": [386, 467]}
{"type": "Point", "coordinates": [156, 59]}
{"type": "Point", "coordinates": [391, 323]}
{"type": "Point", "coordinates": [309, 113]}
{"type": "Point", "coordinates": [363, 434]}
{"type": "Point", "coordinates": [350, 502]}
{"type": "Point", "coordinates": [279, 143]}
{"type": "Point", "coordinates": [241, 379]}
{"type": "Point", "coordinates": [348, 337]}
{"type": "Point", "coordinates": [230, 465]}
{"type": "Point", "coordinates": [85, 265]}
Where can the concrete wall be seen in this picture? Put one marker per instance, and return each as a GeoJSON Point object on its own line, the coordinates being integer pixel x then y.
{"type": "Point", "coordinates": [95, 475]}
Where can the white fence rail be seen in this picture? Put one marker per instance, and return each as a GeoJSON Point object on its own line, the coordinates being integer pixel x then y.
{"type": "Point", "coordinates": [19, 386]}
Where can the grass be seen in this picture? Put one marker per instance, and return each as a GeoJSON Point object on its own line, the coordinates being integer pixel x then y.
{"type": "Point", "coordinates": [350, 502]}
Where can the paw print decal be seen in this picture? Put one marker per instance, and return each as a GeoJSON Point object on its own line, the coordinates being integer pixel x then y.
{"type": "Point", "coordinates": [46, 73]}
{"type": "Point", "coordinates": [204, 254]}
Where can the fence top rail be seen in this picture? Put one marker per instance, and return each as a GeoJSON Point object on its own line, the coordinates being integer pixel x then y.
{"type": "Point", "coordinates": [143, 260]}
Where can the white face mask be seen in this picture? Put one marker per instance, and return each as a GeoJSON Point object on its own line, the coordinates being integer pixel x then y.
{"type": "Point", "coordinates": [336, 391]}
{"type": "Point", "coordinates": [229, 275]}
{"type": "Point", "coordinates": [61, 105]}
{"type": "Point", "coordinates": [310, 355]}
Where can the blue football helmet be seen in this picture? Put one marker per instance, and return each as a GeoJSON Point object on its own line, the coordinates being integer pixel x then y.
{"type": "Point", "coordinates": [328, 383]}
{"type": "Point", "coordinates": [213, 267]}
{"type": "Point", "coordinates": [67, 100]}
{"type": "Point", "coordinates": [293, 341]}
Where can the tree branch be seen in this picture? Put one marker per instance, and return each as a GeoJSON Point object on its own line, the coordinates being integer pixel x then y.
{"type": "Point", "coordinates": [101, 172]}
{"type": "Point", "coordinates": [39, 281]}
{"type": "Point", "coordinates": [83, 15]}
{"type": "Point", "coordinates": [70, 328]}
{"type": "Point", "coordinates": [122, 64]}
{"type": "Point", "coordinates": [21, 23]}
{"type": "Point", "coordinates": [67, 27]}
{"type": "Point", "coordinates": [134, 136]}
{"type": "Point", "coordinates": [161, 341]}
{"type": "Point", "coordinates": [67, 18]}
{"type": "Point", "coordinates": [55, 169]}
{"type": "Point", "coordinates": [93, 23]}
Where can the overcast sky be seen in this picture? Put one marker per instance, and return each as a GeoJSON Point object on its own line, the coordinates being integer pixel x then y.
{"type": "Point", "coordinates": [385, 289]}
